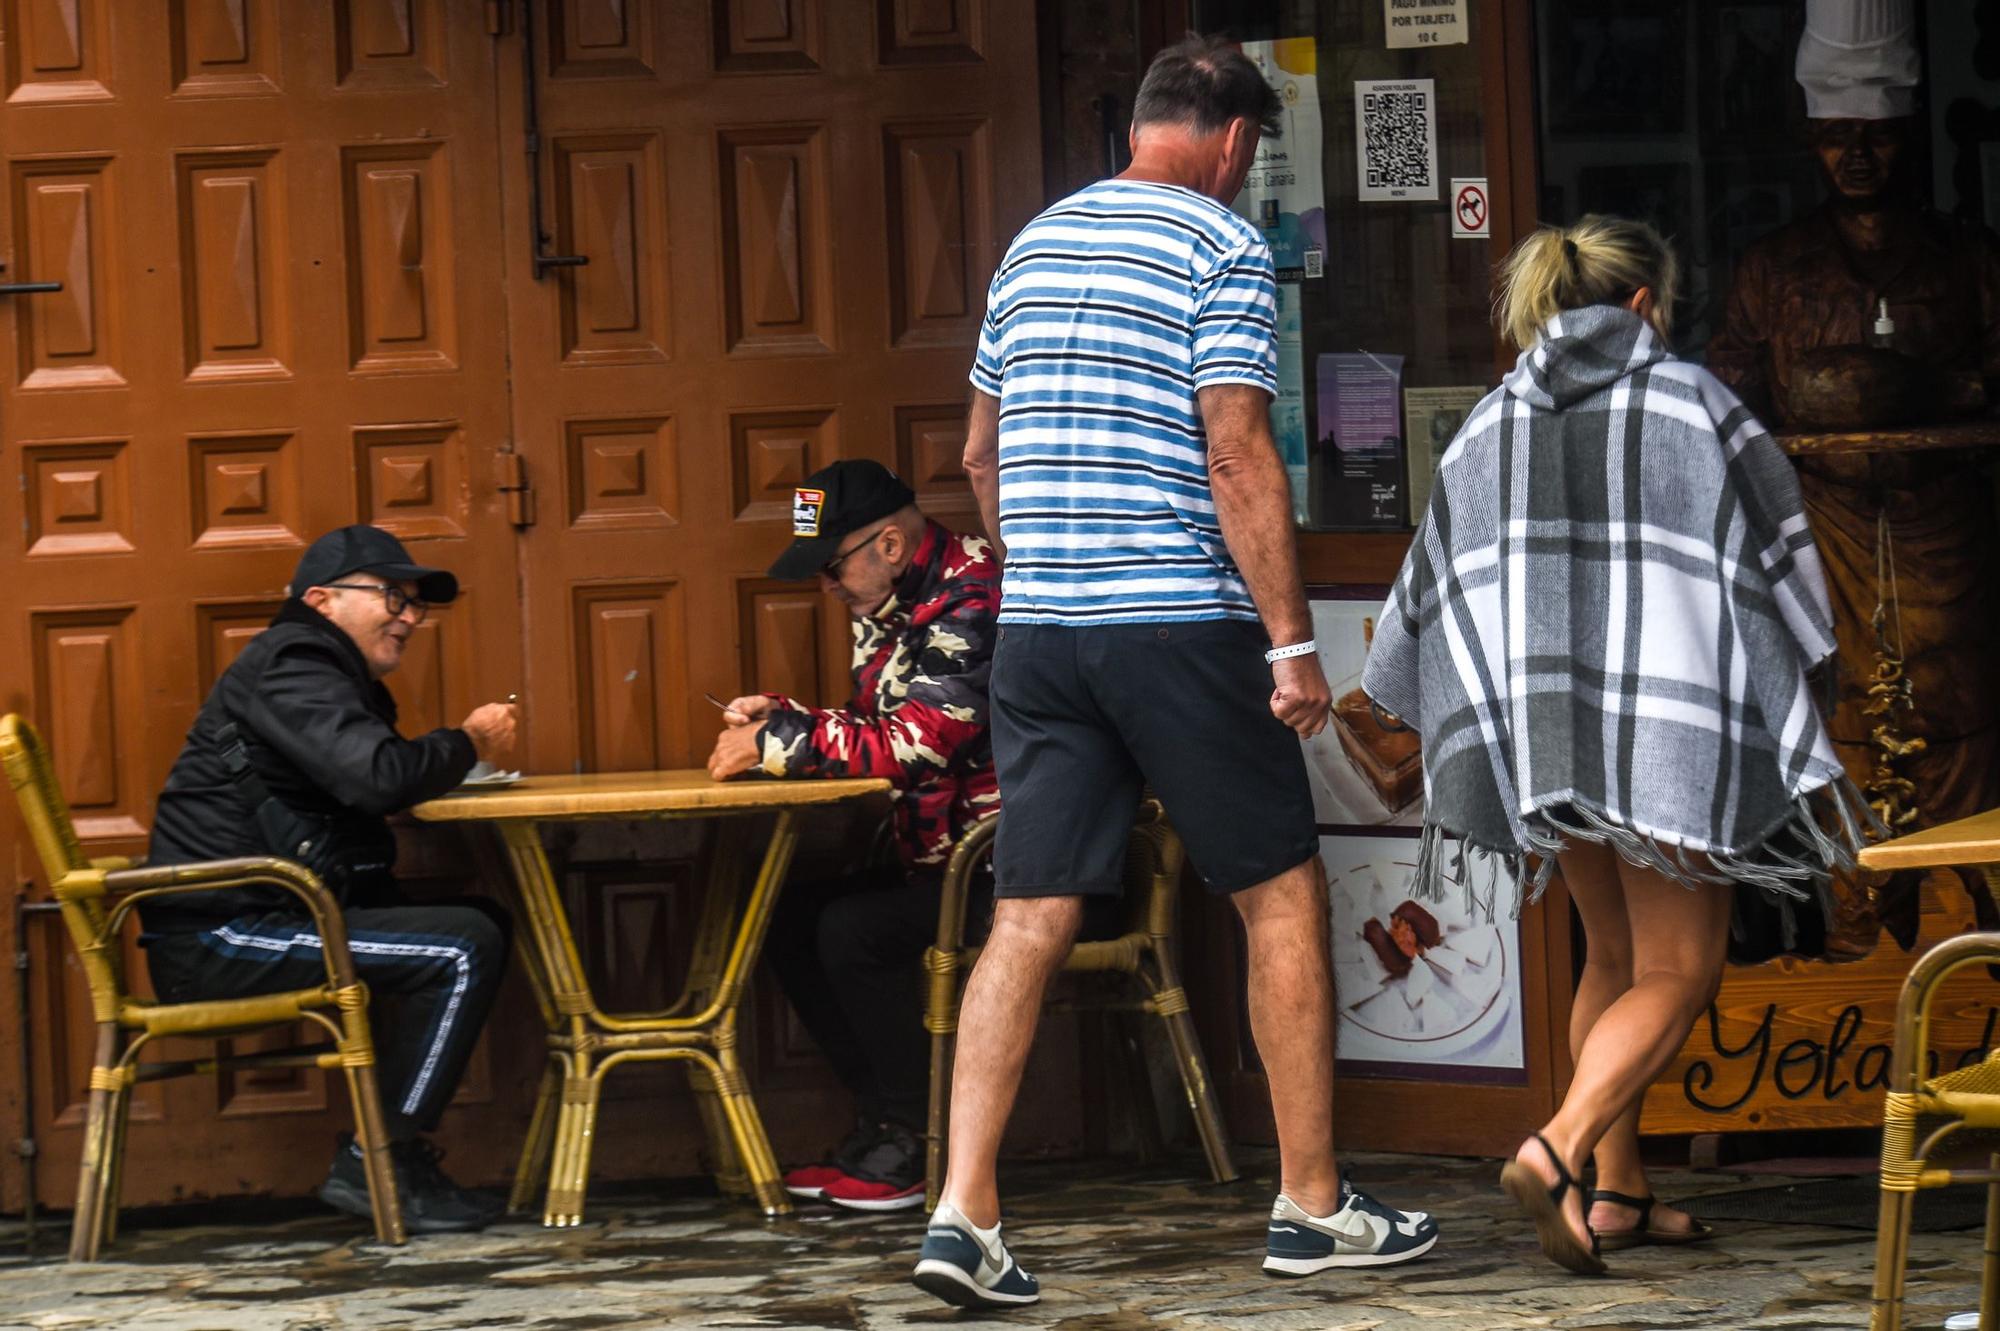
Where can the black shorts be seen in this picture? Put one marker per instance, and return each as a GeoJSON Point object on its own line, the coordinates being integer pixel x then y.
{"type": "Point", "coordinates": [1083, 718]}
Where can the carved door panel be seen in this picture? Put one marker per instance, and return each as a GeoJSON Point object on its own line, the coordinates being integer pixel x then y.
{"type": "Point", "coordinates": [281, 312]}
{"type": "Point", "coordinates": [790, 210]}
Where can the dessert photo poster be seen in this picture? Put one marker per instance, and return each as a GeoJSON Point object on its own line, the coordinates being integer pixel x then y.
{"type": "Point", "coordinates": [1427, 990]}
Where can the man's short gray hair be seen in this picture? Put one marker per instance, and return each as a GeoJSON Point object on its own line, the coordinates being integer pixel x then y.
{"type": "Point", "coordinates": [1203, 83]}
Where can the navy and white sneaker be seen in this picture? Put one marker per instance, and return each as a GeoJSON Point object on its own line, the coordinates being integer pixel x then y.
{"type": "Point", "coordinates": [1363, 1232]}
{"type": "Point", "coordinates": [970, 1268]}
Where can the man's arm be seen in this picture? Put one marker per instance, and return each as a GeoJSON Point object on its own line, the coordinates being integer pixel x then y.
{"type": "Point", "coordinates": [982, 463]}
{"type": "Point", "coordinates": [1253, 504]}
{"type": "Point", "coordinates": [309, 710]}
{"type": "Point", "coordinates": [944, 706]}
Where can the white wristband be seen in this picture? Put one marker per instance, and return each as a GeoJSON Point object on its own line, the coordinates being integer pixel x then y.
{"type": "Point", "coordinates": [1276, 654]}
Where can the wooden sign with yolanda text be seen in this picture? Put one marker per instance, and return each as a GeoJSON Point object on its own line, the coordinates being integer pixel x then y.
{"type": "Point", "coordinates": [1805, 1044]}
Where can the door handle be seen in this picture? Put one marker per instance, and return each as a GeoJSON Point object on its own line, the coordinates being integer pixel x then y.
{"type": "Point", "coordinates": [28, 288]}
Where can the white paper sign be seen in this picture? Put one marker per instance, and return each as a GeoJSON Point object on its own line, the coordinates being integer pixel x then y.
{"type": "Point", "coordinates": [1285, 193]}
{"type": "Point", "coordinates": [1471, 210]}
{"type": "Point", "coordinates": [1424, 22]}
{"type": "Point", "coordinates": [1395, 139]}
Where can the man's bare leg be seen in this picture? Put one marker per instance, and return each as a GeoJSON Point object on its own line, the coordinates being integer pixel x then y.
{"type": "Point", "coordinates": [996, 1027]}
{"type": "Point", "coordinates": [1292, 1018]}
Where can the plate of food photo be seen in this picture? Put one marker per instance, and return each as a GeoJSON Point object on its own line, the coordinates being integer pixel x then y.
{"type": "Point", "coordinates": [1413, 972]}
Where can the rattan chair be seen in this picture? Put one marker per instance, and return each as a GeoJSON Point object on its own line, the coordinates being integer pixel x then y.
{"type": "Point", "coordinates": [96, 896]}
{"type": "Point", "coordinates": [1145, 951]}
{"type": "Point", "coordinates": [1944, 1129]}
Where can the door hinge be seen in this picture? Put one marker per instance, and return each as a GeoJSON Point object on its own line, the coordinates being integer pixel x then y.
{"type": "Point", "coordinates": [496, 18]}
{"type": "Point", "coordinates": [514, 485]}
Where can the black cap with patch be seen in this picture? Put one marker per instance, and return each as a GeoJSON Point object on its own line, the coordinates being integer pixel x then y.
{"type": "Point", "coordinates": [365, 549]}
{"type": "Point", "coordinates": [834, 501]}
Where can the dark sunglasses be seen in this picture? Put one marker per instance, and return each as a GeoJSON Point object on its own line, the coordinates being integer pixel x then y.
{"type": "Point", "coordinates": [394, 599]}
{"type": "Point", "coordinates": [832, 566]}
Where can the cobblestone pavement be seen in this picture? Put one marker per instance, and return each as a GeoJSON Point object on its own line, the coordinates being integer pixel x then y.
{"type": "Point", "coordinates": [1117, 1248]}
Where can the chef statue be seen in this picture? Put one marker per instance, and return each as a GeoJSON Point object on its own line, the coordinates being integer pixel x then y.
{"type": "Point", "coordinates": [1874, 312]}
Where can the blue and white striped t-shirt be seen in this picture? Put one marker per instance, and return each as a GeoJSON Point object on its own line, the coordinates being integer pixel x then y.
{"type": "Point", "coordinates": [1110, 310]}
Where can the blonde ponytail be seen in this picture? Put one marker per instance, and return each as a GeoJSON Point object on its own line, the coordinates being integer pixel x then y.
{"type": "Point", "coordinates": [1598, 261]}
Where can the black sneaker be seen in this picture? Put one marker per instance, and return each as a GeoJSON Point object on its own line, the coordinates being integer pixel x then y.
{"type": "Point", "coordinates": [889, 1176]}
{"type": "Point", "coordinates": [432, 1203]}
{"type": "Point", "coordinates": [809, 1182]}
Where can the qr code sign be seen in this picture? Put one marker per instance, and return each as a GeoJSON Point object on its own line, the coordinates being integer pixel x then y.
{"type": "Point", "coordinates": [1395, 126]}
{"type": "Point", "coordinates": [1395, 131]}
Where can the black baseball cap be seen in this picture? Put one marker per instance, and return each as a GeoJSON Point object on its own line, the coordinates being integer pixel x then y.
{"type": "Point", "coordinates": [365, 549]}
{"type": "Point", "coordinates": [834, 501]}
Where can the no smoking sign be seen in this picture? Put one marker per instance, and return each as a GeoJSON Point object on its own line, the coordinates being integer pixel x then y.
{"type": "Point", "coordinates": [1471, 216]}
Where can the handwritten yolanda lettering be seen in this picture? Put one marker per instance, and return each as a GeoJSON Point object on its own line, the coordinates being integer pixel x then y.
{"type": "Point", "coordinates": [1832, 1066]}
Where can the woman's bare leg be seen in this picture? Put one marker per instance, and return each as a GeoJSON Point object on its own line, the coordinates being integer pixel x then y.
{"type": "Point", "coordinates": [1675, 939]}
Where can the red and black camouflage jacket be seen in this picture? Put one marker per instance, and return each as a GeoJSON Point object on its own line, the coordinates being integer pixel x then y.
{"type": "Point", "coordinates": [918, 716]}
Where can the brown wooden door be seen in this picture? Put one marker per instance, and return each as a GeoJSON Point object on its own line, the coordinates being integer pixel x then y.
{"type": "Point", "coordinates": [294, 244]}
{"type": "Point", "coordinates": [277, 232]}
{"type": "Point", "coordinates": [790, 209]}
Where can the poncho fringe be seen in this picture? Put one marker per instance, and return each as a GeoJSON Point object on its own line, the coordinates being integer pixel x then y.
{"type": "Point", "coordinates": [1794, 859]}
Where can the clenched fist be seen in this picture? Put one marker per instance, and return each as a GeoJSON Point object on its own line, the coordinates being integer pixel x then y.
{"type": "Point", "coordinates": [491, 730]}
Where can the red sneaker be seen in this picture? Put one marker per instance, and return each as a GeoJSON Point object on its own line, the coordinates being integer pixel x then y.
{"type": "Point", "coordinates": [810, 1181]}
{"type": "Point", "coordinates": [860, 1194]}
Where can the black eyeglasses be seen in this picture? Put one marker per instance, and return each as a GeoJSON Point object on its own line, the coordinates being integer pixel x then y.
{"type": "Point", "coordinates": [394, 599]}
{"type": "Point", "coordinates": [832, 566]}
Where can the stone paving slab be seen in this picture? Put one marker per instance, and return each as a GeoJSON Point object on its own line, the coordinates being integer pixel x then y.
{"type": "Point", "coordinates": [1117, 1248]}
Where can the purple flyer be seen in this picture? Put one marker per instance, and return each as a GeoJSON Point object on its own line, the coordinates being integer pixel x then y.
{"type": "Point", "coordinates": [1360, 449]}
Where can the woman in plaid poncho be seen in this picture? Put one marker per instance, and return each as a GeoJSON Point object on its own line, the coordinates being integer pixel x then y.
{"type": "Point", "coordinates": [1602, 633]}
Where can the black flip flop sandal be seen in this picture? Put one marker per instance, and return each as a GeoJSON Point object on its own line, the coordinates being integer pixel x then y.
{"type": "Point", "coordinates": [1543, 1205]}
{"type": "Point", "coordinates": [1643, 1233]}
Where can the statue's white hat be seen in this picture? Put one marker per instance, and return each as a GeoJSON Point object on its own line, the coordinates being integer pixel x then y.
{"type": "Point", "coordinates": [1858, 59]}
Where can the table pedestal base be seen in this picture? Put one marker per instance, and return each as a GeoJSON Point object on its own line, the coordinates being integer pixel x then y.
{"type": "Point", "coordinates": [585, 1044]}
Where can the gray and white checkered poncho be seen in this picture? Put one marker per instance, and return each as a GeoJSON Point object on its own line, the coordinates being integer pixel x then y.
{"type": "Point", "coordinates": [1604, 625]}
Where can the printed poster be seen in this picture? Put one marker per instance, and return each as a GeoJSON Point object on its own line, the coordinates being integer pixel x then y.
{"type": "Point", "coordinates": [1288, 409]}
{"type": "Point", "coordinates": [1361, 447]}
{"type": "Point", "coordinates": [1431, 420]}
{"type": "Point", "coordinates": [1285, 192]}
{"type": "Point", "coordinates": [1395, 133]}
{"type": "Point", "coordinates": [1429, 990]}
{"type": "Point", "coordinates": [1424, 23]}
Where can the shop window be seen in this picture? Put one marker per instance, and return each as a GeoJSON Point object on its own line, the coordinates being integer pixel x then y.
{"type": "Point", "coordinates": [1384, 307]}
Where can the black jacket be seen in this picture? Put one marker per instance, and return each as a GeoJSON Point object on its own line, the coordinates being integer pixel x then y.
{"type": "Point", "coordinates": [321, 735]}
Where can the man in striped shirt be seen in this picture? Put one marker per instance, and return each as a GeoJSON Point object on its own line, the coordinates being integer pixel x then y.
{"type": "Point", "coordinates": [1120, 446]}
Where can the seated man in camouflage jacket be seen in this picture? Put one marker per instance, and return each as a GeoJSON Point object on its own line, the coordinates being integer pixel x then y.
{"type": "Point", "coordinates": [849, 952]}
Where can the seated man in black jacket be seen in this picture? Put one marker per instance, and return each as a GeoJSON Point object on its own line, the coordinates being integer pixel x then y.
{"type": "Point", "coordinates": [296, 754]}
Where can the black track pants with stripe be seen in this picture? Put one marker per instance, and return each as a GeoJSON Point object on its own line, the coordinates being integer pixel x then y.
{"type": "Point", "coordinates": [431, 972]}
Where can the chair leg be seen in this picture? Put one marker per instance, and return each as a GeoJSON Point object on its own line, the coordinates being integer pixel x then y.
{"type": "Point", "coordinates": [532, 1171]}
{"type": "Point", "coordinates": [86, 1232]}
{"type": "Point", "coordinates": [114, 1165]}
{"type": "Point", "coordinates": [1892, 1251]}
{"type": "Point", "coordinates": [371, 1135]}
{"type": "Point", "coordinates": [1169, 1001]}
{"type": "Point", "coordinates": [86, 1236]}
{"type": "Point", "coordinates": [942, 1042]}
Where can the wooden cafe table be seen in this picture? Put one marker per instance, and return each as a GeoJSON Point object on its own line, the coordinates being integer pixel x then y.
{"type": "Point", "coordinates": [585, 1043]}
